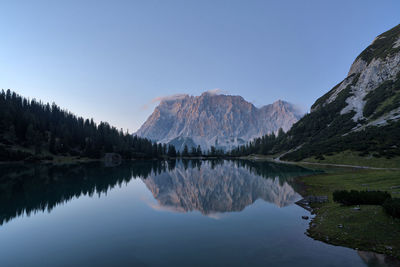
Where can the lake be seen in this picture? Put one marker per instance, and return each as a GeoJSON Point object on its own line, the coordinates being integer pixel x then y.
{"type": "Point", "coordinates": [160, 213]}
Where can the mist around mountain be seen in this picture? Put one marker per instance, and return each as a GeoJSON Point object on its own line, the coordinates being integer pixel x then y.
{"type": "Point", "coordinates": [222, 121]}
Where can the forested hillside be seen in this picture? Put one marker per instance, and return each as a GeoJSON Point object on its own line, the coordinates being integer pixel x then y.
{"type": "Point", "coordinates": [32, 130]}
{"type": "Point", "coordinates": [360, 114]}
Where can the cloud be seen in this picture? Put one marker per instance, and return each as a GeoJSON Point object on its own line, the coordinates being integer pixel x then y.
{"type": "Point", "coordinates": [217, 91]}
{"type": "Point", "coordinates": [162, 98]}
{"type": "Point", "coordinates": [168, 98]}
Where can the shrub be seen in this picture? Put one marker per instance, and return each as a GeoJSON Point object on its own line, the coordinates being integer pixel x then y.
{"type": "Point", "coordinates": [354, 197]}
{"type": "Point", "coordinates": [392, 207]}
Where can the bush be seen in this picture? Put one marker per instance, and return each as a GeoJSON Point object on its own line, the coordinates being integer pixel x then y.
{"type": "Point", "coordinates": [392, 207]}
{"type": "Point", "coordinates": [354, 197]}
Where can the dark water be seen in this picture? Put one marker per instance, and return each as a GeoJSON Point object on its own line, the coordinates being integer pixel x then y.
{"type": "Point", "coordinates": [154, 213]}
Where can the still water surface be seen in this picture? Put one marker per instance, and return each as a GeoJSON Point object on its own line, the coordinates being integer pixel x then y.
{"type": "Point", "coordinates": [157, 213]}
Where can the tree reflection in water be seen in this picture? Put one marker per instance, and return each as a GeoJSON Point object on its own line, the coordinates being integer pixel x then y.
{"type": "Point", "coordinates": [27, 189]}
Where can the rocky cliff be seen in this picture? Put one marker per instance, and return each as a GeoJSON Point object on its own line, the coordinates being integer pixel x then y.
{"type": "Point", "coordinates": [223, 121]}
{"type": "Point", "coordinates": [361, 113]}
{"type": "Point", "coordinates": [372, 82]}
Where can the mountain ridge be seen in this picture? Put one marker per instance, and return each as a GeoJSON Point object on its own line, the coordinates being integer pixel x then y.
{"type": "Point", "coordinates": [361, 113]}
{"type": "Point", "coordinates": [219, 120]}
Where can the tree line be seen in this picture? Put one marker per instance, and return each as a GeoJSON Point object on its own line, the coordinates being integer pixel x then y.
{"type": "Point", "coordinates": [320, 141]}
{"type": "Point", "coordinates": [326, 131]}
{"type": "Point", "coordinates": [264, 145]}
{"type": "Point", "coordinates": [32, 130]}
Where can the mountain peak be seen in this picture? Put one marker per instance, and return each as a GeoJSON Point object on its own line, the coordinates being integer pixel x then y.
{"type": "Point", "coordinates": [359, 112]}
{"type": "Point", "coordinates": [216, 91]}
{"type": "Point", "coordinates": [384, 45]}
{"type": "Point", "coordinates": [213, 119]}
{"type": "Point", "coordinates": [280, 103]}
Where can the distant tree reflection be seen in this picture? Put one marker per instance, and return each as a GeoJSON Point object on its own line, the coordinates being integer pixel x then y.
{"type": "Point", "coordinates": [27, 189]}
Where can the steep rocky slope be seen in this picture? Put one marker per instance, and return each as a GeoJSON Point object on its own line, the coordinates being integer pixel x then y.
{"type": "Point", "coordinates": [361, 113]}
{"type": "Point", "coordinates": [223, 121]}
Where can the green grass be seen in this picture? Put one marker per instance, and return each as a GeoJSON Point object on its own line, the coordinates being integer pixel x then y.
{"type": "Point", "coordinates": [353, 179]}
{"type": "Point", "coordinates": [387, 105]}
{"type": "Point", "coordinates": [353, 158]}
{"type": "Point", "coordinates": [368, 229]}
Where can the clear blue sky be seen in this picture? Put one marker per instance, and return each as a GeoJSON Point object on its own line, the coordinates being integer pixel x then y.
{"type": "Point", "coordinates": [107, 59]}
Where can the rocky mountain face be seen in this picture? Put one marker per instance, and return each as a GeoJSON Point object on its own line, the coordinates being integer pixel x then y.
{"type": "Point", "coordinates": [223, 121]}
{"type": "Point", "coordinates": [362, 112]}
{"type": "Point", "coordinates": [222, 188]}
{"type": "Point", "coordinates": [372, 83]}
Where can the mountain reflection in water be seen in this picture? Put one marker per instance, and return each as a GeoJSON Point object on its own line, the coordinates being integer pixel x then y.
{"type": "Point", "coordinates": [185, 185]}
{"type": "Point", "coordinates": [125, 228]}
{"type": "Point", "coordinates": [224, 188]}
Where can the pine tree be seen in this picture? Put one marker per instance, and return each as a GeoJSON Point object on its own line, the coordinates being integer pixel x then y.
{"type": "Point", "coordinates": [35, 125]}
{"type": "Point", "coordinates": [172, 151]}
{"type": "Point", "coordinates": [185, 152]}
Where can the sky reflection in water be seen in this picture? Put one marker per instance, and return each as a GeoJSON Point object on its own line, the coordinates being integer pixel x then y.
{"type": "Point", "coordinates": [157, 213]}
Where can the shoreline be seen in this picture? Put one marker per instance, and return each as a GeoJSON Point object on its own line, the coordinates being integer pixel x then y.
{"type": "Point", "coordinates": [324, 210]}
{"type": "Point", "coordinates": [340, 165]}
{"type": "Point", "coordinates": [366, 228]}
{"type": "Point", "coordinates": [319, 227]}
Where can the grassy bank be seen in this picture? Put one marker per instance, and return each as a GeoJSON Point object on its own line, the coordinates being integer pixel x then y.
{"type": "Point", "coordinates": [353, 158]}
{"type": "Point", "coordinates": [366, 229]}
